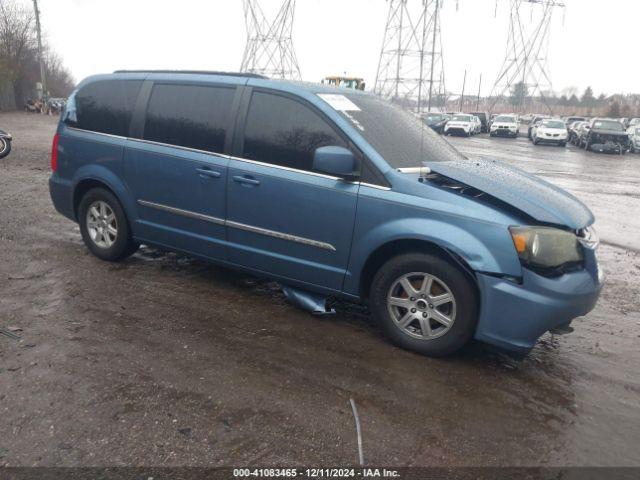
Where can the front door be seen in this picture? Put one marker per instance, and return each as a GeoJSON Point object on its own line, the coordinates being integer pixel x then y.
{"type": "Point", "coordinates": [282, 217]}
{"type": "Point", "coordinates": [176, 171]}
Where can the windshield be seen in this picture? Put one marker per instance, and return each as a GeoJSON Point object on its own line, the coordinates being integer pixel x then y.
{"type": "Point", "coordinates": [608, 125]}
{"type": "Point", "coordinates": [505, 118]}
{"type": "Point", "coordinates": [434, 117]}
{"type": "Point", "coordinates": [553, 124]}
{"type": "Point", "coordinates": [402, 139]}
{"type": "Point", "coordinates": [461, 118]}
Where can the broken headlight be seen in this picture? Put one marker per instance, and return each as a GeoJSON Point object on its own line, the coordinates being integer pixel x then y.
{"type": "Point", "coordinates": [546, 247]}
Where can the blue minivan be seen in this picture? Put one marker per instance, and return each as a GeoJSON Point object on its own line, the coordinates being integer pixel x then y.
{"type": "Point", "coordinates": [331, 192]}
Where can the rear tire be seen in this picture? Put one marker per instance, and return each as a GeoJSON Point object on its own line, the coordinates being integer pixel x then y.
{"type": "Point", "coordinates": [104, 226]}
{"type": "Point", "coordinates": [422, 325]}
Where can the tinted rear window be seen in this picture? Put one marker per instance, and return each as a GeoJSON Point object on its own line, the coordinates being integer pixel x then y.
{"type": "Point", "coordinates": [107, 106]}
{"type": "Point", "coordinates": [190, 116]}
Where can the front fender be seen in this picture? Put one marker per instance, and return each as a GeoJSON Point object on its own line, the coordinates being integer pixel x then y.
{"type": "Point", "coordinates": [104, 175]}
{"type": "Point", "coordinates": [485, 247]}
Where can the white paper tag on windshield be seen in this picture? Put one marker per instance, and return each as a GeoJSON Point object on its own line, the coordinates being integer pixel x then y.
{"type": "Point", "coordinates": [339, 102]}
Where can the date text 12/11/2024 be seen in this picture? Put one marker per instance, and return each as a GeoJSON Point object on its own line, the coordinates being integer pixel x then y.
{"type": "Point", "coordinates": [315, 473]}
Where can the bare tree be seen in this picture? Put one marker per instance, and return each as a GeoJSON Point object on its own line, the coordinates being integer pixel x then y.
{"type": "Point", "coordinates": [19, 55]}
{"type": "Point", "coordinates": [17, 42]}
{"type": "Point", "coordinates": [59, 80]}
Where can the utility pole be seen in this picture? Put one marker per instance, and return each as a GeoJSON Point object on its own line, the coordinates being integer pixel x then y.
{"type": "Point", "coordinates": [478, 99]}
{"type": "Point", "coordinates": [43, 76]}
{"type": "Point", "coordinates": [464, 84]}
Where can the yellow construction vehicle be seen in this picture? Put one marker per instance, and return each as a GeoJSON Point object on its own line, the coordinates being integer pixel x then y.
{"type": "Point", "coordinates": [345, 82]}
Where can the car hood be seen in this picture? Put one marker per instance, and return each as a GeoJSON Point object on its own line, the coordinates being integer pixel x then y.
{"type": "Point", "coordinates": [535, 197]}
{"type": "Point", "coordinates": [552, 130]}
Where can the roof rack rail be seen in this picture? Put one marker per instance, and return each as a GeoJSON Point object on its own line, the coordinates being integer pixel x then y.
{"type": "Point", "coordinates": [197, 72]}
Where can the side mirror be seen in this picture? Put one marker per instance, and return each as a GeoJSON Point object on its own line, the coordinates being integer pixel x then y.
{"type": "Point", "coordinates": [336, 161]}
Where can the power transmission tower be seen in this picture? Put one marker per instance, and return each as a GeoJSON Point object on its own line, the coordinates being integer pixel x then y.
{"type": "Point", "coordinates": [269, 50]}
{"type": "Point", "coordinates": [524, 70]}
{"type": "Point", "coordinates": [411, 67]}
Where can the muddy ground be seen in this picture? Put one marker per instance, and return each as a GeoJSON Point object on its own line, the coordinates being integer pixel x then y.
{"type": "Point", "coordinates": [165, 360]}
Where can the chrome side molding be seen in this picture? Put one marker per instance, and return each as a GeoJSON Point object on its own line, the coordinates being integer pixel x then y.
{"type": "Point", "coordinates": [239, 226]}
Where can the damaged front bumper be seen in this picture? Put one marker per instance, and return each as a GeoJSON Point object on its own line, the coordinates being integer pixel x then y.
{"type": "Point", "coordinates": [514, 315]}
{"type": "Point", "coordinates": [609, 147]}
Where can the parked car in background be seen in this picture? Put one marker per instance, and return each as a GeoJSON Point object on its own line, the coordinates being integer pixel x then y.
{"type": "Point", "coordinates": [573, 131]}
{"type": "Point", "coordinates": [5, 143]}
{"type": "Point", "coordinates": [550, 130]}
{"type": "Point", "coordinates": [478, 125]}
{"type": "Point", "coordinates": [460, 124]}
{"type": "Point", "coordinates": [634, 138]}
{"type": "Point", "coordinates": [505, 126]}
{"type": "Point", "coordinates": [581, 134]}
{"type": "Point", "coordinates": [634, 121]}
{"type": "Point", "coordinates": [436, 121]}
{"type": "Point", "coordinates": [54, 106]}
{"type": "Point", "coordinates": [231, 167]}
{"type": "Point", "coordinates": [526, 118]}
{"type": "Point", "coordinates": [570, 120]}
{"type": "Point", "coordinates": [534, 120]}
{"type": "Point", "coordinates": [605, 135]}
{"type": "Point", "coordinates": [484, 120]}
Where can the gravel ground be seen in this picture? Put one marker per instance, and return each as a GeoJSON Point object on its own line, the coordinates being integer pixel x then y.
{"type": "Point", "coordinates": [165, 360]}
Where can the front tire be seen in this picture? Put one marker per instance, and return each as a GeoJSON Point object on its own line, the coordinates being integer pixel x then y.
{"type": "Point", "coordinates": [104, 226]}
{"type": "Point", "coordinates": [424, 303]}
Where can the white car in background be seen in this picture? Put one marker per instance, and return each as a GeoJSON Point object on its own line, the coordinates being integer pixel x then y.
{"type": "Point", "coordinates": [477, 125]}
{"type": "Point", "coordinates": [505, 126]}
{"type": "Point", "coordinates": [551, 130]}
{"type": "Point", "coordinates": [634, 122]}
{"type": "Point", "coordinates": [460, 124]}
{"type": "Point", "coordinates": [634, 137]}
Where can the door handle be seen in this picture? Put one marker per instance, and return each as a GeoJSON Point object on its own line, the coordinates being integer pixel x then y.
{"type": "Point", "coordinates": [206, 172]}
{"type": "Point", "coordinates": [246, 180]}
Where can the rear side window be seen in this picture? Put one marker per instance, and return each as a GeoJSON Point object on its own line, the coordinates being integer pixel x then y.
{"type": "Point", "coordinates": [284, 132]}
{"type": "Point", "coordinates": [107, 106]}
{"type": "Point", "coordinates": [190, 116]}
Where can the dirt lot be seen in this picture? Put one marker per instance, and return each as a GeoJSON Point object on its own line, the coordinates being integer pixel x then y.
{"type": "Point", "coordinates": [164, 360]}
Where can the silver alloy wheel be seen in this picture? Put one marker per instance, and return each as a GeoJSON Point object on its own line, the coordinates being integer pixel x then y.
{"type": "Point", "coordinates": [421, 305]}
{"type": "Point", "coordinates": [102, 224]}
{"type": "Point", "coordinates": [4, 144]}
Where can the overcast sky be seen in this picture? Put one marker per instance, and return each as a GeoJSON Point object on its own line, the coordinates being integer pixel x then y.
{"type": "Point", "coordinates": [593, 45]}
